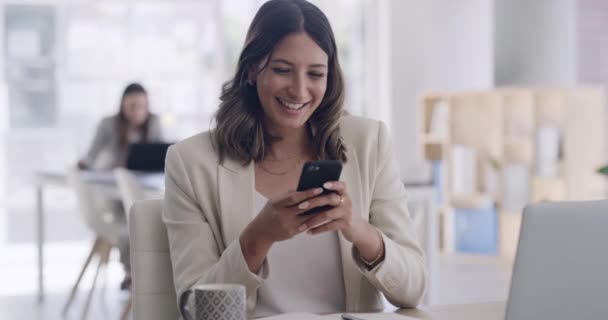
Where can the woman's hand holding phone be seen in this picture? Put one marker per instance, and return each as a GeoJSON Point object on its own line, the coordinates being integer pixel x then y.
{"type": "Point", "coordinates": [321, 204]}
{"type": "Point", "coordinates": [279, 220]}
{"type": "Point", "coordinates": [337, 214]}
{"type": "Point", "coordinates": [341, 218]}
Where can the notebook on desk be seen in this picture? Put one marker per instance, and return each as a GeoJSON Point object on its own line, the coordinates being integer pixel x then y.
{"type": "Point", "coordinates": [147, 157]}
{"type": "Point", "coordinates": [561, 263]}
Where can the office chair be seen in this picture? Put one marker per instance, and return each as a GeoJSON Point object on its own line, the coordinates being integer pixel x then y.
{"type": "Point", "coordinates": [129, 190]}
{"type": "Point", "coordinates": [107, 231]}
{"type": "Point", "coordinates": [153, 289]}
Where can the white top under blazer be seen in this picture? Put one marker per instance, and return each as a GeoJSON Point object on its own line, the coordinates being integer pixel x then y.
{"type": "Point", "coordinates": [304, 274]}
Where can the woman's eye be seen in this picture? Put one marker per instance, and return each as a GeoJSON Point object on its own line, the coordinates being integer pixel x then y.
{"type": "Point", "coordinates": [280, 70]}
{"type": "Point", "coordinates": [316, 75]}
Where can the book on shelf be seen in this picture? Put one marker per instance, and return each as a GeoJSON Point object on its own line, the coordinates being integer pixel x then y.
{"type": "Point", "coordinates": [548, 140]}
{"type": "Point", "coordinates": [463, 170]}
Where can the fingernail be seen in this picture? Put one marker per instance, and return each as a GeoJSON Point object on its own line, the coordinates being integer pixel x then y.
{"type": "Point", "coordinates": [318, 190]}
{"type": "Point", "coordinates": [303, 205]}
{"type": "Point", "coordinates": [327, 185]}
{"type": "Point", "coordinates": [303, 227]}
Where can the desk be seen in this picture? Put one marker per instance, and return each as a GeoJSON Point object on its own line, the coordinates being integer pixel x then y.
{"type": "Point", "coordinates": [151, 183]}
{"type": "Point", "coordinates": [474, 311]}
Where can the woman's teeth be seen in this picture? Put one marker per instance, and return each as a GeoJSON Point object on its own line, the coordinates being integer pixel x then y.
{"type": "Point", "coordinates": [293, 106]}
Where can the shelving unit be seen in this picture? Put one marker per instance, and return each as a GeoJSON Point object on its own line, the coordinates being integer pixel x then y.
{"type": "Point", "coordinates": [555, 138]}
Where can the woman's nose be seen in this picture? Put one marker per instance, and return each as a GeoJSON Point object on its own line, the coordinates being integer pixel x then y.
{"type": "Point", "coordinates": [297, 89]}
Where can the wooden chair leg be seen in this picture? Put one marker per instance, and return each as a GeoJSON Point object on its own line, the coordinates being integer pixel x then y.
{"type": "Point", "coordinates": [103, 277]}
{"type": "Point", "coordinates": [104, 255]}
{"type": "Point", "coordinates": [94, 250]}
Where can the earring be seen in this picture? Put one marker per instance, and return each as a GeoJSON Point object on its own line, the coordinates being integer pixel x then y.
{"type": "Point", "coordinates": [250, 82]}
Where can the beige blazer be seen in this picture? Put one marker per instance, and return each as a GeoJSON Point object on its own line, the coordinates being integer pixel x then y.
{"type": "Point", "coordinates": [208, 204]}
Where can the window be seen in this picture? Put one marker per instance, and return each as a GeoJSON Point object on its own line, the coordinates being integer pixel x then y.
{"type": "Point", "coordinates": [75, 58]}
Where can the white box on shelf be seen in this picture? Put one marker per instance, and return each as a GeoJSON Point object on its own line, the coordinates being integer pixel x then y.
{"type": "Point", "coordinates": [548, 141]}
{"type": "Point", "coordinates": [439, 120]}
{"type": "Point", "coordinates": [463, 170]}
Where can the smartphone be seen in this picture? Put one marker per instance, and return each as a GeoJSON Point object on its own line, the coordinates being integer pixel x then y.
{"type": "Point", "coordinates": [315, 174]}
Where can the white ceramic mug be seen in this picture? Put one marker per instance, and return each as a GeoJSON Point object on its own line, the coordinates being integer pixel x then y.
{"type": "Point", "coordinates": [215, 302]}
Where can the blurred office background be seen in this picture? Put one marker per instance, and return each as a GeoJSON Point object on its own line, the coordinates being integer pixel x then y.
{"type": "Point", "coordinates": [64, 65]}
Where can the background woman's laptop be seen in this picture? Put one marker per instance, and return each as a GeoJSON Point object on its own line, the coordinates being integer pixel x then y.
{"type": "Point", "coordinates": [147, 157]}
{"type": "Point", "coordinates": [561, 268]}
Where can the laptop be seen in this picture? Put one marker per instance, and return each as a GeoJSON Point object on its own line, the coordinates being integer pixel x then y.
{"type": "Point", "coordinates": [561, 266]}
{"type": "Point", "coordinates": [147, 157]}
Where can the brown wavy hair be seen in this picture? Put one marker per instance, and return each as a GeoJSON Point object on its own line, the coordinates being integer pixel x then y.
{"type": "Point", "coordinates": [239, 132]}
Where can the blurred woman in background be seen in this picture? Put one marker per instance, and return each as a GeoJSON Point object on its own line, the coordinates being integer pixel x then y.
{"type": "Point", "coordinates": [134, 123]}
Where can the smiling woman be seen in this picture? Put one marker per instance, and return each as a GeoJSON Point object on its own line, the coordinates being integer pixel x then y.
{"type": "Point", "coordinates": [230, 211]}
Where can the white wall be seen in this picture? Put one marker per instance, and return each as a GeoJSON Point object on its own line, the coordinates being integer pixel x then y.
{"type": "Point", "coordinates": [3, 126]}
{"type": "Point", "coordinates": [435, 44]}
{"type": "Point", "coordinates": [535, 42]}
{"type": "Point", "coordinates": [592, 41]}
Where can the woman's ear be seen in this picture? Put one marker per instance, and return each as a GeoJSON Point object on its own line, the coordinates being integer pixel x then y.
{"type": "Point", "coordinates": [251, 75]}
{"type": "Point", "coordinates": [254, 70]}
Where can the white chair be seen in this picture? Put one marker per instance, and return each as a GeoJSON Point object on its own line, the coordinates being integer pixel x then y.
{"type": "Point", "coordinates": [101, 221]}
{"type": "Point", "coordinates": [153, 290]}
{"type": "Point", "coordinates": [129, 190]}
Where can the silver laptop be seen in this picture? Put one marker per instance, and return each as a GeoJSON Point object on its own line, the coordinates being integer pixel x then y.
{"type": "Point", "coordinates": [561, 267]}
